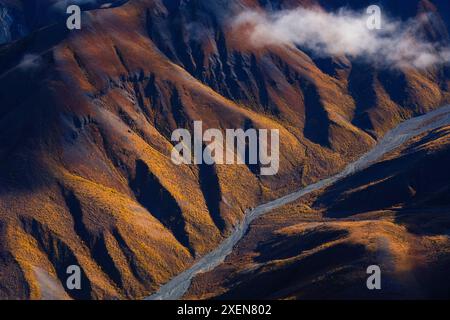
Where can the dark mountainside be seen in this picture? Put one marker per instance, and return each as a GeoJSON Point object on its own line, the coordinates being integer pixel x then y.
{"type": "Point", "coordinates": [86, 117]}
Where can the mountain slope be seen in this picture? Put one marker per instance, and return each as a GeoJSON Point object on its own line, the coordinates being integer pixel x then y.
{"type": "Point", "coordinates": [394, 214]}
{"type": "Point", "coordinates": [85, 122]}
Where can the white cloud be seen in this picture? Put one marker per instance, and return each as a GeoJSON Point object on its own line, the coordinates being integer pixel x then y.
{"type": "Point", "coordinates": [343, 33]}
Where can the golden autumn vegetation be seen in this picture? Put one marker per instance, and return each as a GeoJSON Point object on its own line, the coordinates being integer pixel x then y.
{"type": "Point", "coordinates": [85, 170]}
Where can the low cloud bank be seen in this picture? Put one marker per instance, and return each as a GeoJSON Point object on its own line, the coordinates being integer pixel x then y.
{"type": "Point", "coordinates": [345, 32]}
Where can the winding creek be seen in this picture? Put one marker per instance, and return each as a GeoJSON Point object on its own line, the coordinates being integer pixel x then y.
{"type": "Point", "coordinates": [177, 287]}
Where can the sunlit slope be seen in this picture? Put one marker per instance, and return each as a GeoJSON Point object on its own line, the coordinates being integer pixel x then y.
{"type": "Point", "coordinates": [86, 176]}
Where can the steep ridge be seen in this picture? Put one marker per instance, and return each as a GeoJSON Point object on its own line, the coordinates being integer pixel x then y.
{"type": "Point", "coordinates": [85, 125]}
